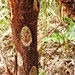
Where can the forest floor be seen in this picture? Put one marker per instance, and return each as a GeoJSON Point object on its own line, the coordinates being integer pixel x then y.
{"type": "Point", "coordinates": [55, 58]}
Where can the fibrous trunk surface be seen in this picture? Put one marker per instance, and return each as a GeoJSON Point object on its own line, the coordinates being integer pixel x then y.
{"type": "Point", "coordinates": [24, 15]}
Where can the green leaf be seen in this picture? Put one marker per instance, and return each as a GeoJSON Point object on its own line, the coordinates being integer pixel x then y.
{"type": "Point", "coordinates": [68, 20]}
{"type": "Point", "coordinates": [46, 39]}
{"type": "Point", "coordinates": [70, 31]}
{"type": "Point", "coordinates": [56, 37]}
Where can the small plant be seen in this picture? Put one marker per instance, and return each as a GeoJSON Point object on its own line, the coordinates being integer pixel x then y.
{"type": "Point", "coordinates": [56, 37]}
{"type": "Point", "coordinates": [69, 34]}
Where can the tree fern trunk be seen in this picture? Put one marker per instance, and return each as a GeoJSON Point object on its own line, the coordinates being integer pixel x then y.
{"type": "Point", "coordinates": [24, 15]}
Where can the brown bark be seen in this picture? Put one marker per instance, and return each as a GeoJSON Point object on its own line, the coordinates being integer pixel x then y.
{"type": "Point", "coordinates": [24, 15]}
{"type": "Point", "coordinates": [69, 7]}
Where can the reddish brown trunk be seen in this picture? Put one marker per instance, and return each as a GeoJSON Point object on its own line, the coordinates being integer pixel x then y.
{"type": "Point", "coordinates": [24, 15]}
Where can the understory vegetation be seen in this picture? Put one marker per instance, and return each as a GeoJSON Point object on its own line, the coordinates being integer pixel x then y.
{"type": "Point", "coordinates": [56, 39]}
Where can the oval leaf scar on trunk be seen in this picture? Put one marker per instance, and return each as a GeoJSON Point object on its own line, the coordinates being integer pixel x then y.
{"type": "Point", "coordinates": [26, 36]}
